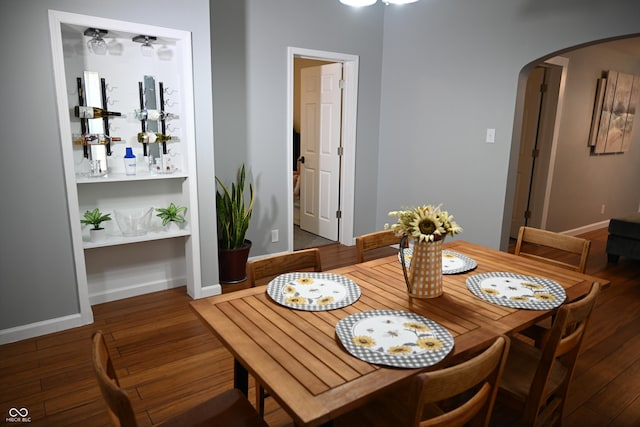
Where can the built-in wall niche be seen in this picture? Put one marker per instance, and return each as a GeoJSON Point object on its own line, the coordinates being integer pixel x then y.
{"type": "Point", "coordinates": [136, 66]}
{"type": "Point", "coordinates": [126, 62]}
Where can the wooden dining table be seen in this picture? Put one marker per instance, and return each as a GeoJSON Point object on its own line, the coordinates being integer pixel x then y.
{"type": "Point", "coordinates": [297, 357]}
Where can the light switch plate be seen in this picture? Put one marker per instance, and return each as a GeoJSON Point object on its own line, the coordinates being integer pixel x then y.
{"type": "Point", "coordinates": [491, 135]}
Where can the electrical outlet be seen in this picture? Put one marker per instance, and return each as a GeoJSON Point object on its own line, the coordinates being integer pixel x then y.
{"type": "Point", "coordinates": [275, 236]}
{"type": "Point", "coordinates": [602, 209]}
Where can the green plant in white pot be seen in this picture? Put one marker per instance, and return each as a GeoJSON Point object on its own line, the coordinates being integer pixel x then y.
{"type": "Point", "coordinates": [233, 218]}
{"type": "Point", "coordinates": [96, 218]}
{"type": "Point", "coordinates": [172, 215]}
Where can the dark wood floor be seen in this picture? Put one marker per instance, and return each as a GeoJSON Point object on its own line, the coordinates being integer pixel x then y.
{"type": "Point", "coordinates": [168, 360]}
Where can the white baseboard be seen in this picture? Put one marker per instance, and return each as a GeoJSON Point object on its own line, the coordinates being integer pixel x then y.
{"type": "Point", "coordinates": [587, 228]}
{"type": "Point", "coordinates": [40, 328]}
{"type": "Point", "coordinates": [49, 326]}
{"type": "Point", "coordinates": [209, 291]}
{"type": "Point", "coordinates": [134, 290]}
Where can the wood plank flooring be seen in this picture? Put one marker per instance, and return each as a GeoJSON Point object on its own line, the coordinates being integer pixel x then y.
{"type": "Point", "coordinates": [168, 360]}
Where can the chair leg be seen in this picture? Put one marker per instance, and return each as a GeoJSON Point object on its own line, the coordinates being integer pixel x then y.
{"type": "Point", "coordinates": [260, 395]}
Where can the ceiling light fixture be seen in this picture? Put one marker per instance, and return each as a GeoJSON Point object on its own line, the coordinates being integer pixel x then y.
{"type": "Point", "coordinates": [399, 1]}
{"type": "Point", "coordinates": [358, 3]}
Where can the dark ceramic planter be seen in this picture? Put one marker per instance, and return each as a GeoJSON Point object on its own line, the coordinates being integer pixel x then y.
{"type": "Point", "coordinates": [233, 263]}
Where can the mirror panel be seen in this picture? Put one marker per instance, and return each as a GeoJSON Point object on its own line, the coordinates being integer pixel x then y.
{"type": "Point", "coordinates": [93, 98]}
{"type": "Point", "coordinates": [151, 104]}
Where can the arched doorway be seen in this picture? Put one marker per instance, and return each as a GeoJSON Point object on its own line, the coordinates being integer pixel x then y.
{"type": "Point", "coordinates": [572, 203]}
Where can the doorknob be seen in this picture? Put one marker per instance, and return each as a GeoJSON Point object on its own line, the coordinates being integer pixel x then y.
{"type": "Point", "coordinates": [302, 159]}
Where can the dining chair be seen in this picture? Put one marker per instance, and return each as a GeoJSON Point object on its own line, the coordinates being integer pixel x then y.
{"type": "Point", "coordinates": [452, 396]}
{"type": "Point", "coordinates": [556, 249]}
{"type": "Point", "coordinates": [536, 380]}
{"type": "Point", "coordinates": [566, 251]}
{"type": "Point", "coordinates": [375, 240]}
{"type": "Point", "coordinates": [269, 267]}
{"type": "Point", "coordinates": [230, 408]}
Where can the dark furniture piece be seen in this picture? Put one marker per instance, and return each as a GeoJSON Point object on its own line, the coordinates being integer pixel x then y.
{"type": "Point", "coordinates": [624, 237]}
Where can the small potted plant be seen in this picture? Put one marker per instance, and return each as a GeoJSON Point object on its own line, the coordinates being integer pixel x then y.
{"type": "Point", "coordinates": [233, 217]}
{"type": "Point", "coordinates": [95, 218]}
{"type": "Point", "coordinates": [171, 215]}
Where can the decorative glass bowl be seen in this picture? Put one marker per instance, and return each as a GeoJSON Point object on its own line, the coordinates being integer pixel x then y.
{"type": "Point", "coordinates": [133, 222]}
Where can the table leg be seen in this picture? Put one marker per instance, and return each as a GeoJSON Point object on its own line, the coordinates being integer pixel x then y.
{"type": "Point", "coordinates": [240, 377]}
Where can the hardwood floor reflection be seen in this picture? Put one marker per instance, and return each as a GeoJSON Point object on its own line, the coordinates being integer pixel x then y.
{"type": "Point", "coordinates": [168, 360]}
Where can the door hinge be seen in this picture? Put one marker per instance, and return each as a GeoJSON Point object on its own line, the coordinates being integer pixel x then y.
{"type": "Point", "coordinates": [527, 214]}
{"type": "Point", "coordinates": [339, 214]}
{"type": "Point", "coordinates": [340, 151]}
{"type": "Point", "coordinates": [535, 153]}
{"type": "Point", "coordinates": [341, 83]}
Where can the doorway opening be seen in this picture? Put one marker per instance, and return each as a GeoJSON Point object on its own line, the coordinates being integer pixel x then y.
{"type": "Point", "coordinates": [321, 124]}
{"type": "Point", "coordinates": [538, 144]}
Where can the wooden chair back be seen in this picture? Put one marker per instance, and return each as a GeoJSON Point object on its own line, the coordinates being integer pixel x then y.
{"type": "Point", "coordinates": [553, 365]}
{"type": "Point", "coordinates": [375, 240]}
{"type": "Point", "coordinates": [230, 408]}
{"type": "Point", "coordinates": [478, 377]}
{"type": "Point", "coordinates": [539, 244]}
{"type": "Point", "coordinates": [269, 267]}
{"type": "Point", "coordinates": [302, 260]}
{"type": "Point", "coordinates": [118, 403]}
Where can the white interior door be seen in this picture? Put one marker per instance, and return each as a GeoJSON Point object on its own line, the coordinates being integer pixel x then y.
{"type": "Point", "coordinates": [320, 130]}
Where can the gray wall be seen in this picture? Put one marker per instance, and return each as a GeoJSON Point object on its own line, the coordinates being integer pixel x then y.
{"type": "Point", "coordinates": [37, 273]}
{"type": "Point", "coordinates": [444, 71]}
{"type": "Point", "coordinates": [37, 278]}
{"type": "Point", "coordinates": [582, 182]}
{"type": "Point", "coordinates": [443, 85]}
{"type": "Point", "coordinates": [250, 100]}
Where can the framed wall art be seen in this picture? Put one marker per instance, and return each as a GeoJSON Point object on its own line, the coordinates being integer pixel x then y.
{"type": "Point", "coordinates": [617, 96]}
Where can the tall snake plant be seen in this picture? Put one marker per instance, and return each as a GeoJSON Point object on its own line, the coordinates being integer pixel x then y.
{"type": "Point", "coordinates": [233, 214]}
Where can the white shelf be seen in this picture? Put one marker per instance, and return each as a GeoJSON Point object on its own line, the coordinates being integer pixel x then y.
{"type": "Point", "coordinates": [124, 240]}
{"type": "Point", "coordinates": [116, 177]}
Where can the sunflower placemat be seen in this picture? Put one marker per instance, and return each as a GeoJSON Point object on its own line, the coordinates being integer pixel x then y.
{"type": "Point", "coordinates": [313, 291]}
{"type": "Point", "coordinates": [394, 338]}
{"type": "Point", "coordinates": [452, 262]}
{"type": "Point", "coordinates": [517, 291]}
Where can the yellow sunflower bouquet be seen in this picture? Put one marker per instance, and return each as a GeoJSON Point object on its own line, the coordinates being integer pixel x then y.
{"type": "Point", "coordinates": [425, 223]}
